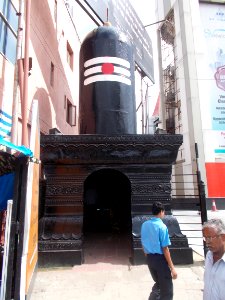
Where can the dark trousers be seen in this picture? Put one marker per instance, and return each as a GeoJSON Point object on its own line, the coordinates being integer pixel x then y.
{"type": "Point", "coordinates": [161, 274]}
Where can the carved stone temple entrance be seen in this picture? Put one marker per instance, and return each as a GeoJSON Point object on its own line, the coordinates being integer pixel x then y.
{"type": "Point", "coordinates": [104, 184]}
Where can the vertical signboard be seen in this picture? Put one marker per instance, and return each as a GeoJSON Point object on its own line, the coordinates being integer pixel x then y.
{"type": "Point", "coordinates": [213, 103]}
{"type": "Point", "coordinates": [30, 241]}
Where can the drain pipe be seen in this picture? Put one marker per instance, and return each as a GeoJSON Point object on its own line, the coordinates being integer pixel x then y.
{"type": "Point", "coordinates": [16, 73]}
{"type": "Point", "coordinates": [25, 81]}
{"type": "Point", "coordinates": [20, 75]}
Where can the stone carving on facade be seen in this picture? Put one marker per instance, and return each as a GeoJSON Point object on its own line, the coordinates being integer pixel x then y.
{"type": "Point", "coordinates": [146, 161]}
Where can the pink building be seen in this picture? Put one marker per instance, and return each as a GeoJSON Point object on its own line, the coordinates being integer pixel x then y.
{"type": "Point", "coordinates": [53, 67]}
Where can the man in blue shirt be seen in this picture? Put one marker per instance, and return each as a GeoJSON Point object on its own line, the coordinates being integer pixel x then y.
{"type": "Point", "coordinates": [155, 241]}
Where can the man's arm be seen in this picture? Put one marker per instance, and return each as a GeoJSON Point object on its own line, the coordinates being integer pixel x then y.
{"type": "Point", "coordinates": [166, 253]}
{"type": "Point", "coordinates": [142, 238]}
{"type": "Point", "coordinates": [144, 251]}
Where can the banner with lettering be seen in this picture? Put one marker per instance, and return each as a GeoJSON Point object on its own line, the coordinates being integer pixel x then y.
{"type": "Point", "coordinates": [213, 101]}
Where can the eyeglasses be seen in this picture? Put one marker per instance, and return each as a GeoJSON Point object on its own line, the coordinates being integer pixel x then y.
{"type": "Point", "coordinates": [209, 238]}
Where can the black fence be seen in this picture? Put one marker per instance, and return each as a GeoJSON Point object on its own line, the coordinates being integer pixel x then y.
{"type": "Point", "coordinates": [15, 242]}
{"type": "Point", "coordinates": [189, 207]}
{"type": "Point", "coordinates": [2, 241]}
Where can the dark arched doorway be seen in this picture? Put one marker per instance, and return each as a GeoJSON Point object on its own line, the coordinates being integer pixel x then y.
{"type": "Point", "coordinates": [107, 217]}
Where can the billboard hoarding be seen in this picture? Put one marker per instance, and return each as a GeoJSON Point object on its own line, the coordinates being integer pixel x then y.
{"type": "Point", "coordinates": [213, 99]}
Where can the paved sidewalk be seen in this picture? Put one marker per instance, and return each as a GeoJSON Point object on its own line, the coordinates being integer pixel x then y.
{"type": "Point", "coordinates": [107, 281]}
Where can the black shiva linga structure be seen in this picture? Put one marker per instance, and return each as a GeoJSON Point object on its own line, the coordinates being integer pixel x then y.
{"type": "Point", "coordinates": [108, 176]}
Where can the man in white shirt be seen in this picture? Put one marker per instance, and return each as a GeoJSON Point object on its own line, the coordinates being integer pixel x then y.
{"type": "Point", "coordinates": [214, 277]}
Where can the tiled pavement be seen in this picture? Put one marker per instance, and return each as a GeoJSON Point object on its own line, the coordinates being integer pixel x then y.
{"type": "Point", "coordinates": [108, 275]}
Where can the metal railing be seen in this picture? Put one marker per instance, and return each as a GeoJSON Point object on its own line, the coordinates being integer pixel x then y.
{"type": "Point", "coordinates": [189, 207]}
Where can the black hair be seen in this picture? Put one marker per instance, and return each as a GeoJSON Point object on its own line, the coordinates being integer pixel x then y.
{"type": "Point", "coordinates": [157, 207]}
